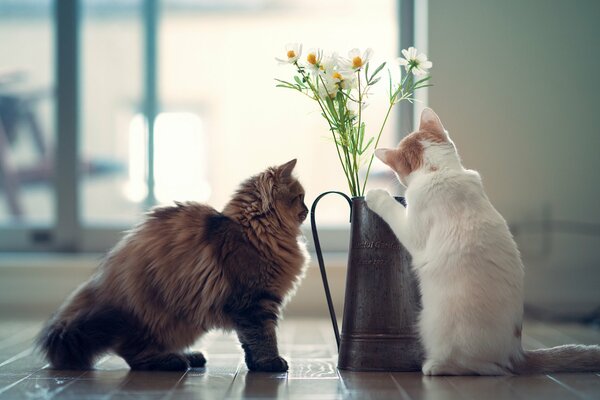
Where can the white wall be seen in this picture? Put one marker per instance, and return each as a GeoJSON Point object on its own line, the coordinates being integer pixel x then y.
{"type": "Point", "coordinates": [517, 85]}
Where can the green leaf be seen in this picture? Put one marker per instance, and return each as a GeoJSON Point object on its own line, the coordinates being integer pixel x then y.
{"type": "Point", "coordinates": [367, 146]}
{"type": "Point", "coordinates": [341, 107]}
{"type": "Point", "coordinates": [331, 108]}
{"type": "Point", "coordinates": [376, 72]}
{"type": "Point", "coordinates": [361, 134]}
{"type": "Point", "coordinates": [287, 87]}
{"type": "Point", "coordinates": [417, 83]}
{"type": "Point", "coordinates": [422, 86]}
{"type": "Point", "coordinates": [285, 82]}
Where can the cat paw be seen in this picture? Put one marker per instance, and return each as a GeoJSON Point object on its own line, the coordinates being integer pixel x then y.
{"type": "Point", "coordinates": [376, 200]}
{"type": "Point", "coordinates": [276, 364]}
{"type": "Point", "coordinates": [432, 368]}
{"type": "Point", "coordinates": [196, 359]}
{"type": "Point", "coordinates": [163, 362]}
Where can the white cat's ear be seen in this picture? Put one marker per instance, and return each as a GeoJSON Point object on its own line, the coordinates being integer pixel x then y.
{"type": "Point", "coordinates": [431, 122]}
{"type": "Point", "coordinates": [385, 155]}
{"type": "Point", "coordinates": [286, 169]}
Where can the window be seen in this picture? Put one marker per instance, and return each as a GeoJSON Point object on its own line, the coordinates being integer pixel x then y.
{"type": "Point", "coordinates": [26, 113]}
{"type": "Point", "coordinates": [220, 64]}
{"type": "Point", "coordinates": [203, 71]}
{"type": "Point", "coordinates": [111, 80]}
{"type": "Point", "coordinates": [181, 171]}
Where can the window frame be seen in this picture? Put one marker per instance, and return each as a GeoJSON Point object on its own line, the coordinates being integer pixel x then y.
{"type": "Point", "coordinates": [68, 232]}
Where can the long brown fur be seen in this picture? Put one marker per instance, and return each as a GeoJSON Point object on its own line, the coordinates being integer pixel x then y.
{"type": "Point", "coordinates": [185, 270]}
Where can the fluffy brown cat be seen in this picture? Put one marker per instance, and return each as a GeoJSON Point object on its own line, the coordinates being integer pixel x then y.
{"type": "Point", "coordinates": [185, 270]}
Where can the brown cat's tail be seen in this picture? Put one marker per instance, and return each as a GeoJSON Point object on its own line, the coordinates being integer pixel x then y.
{"type": "Point", "coordinates": [81, 330]}
{"type": "Point", "coordinates": [76, 344]}
{"type": "Point", "coordinates": [567, 358]}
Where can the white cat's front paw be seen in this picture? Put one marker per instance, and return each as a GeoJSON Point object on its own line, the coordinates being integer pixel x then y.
{"type": "Point", "coordinates": [433, 368]}
{"type": "Point", "coordinates": [376, 200]}
{"type": "Point", "coordinates": [429, 368]}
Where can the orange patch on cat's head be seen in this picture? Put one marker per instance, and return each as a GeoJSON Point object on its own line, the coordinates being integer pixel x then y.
{"type": "Point", "coordinates": [408, 156]}
{"type": "Point", "coordinates": [432, 137]}
{"type": "Point", "coordinates": [405, 158]}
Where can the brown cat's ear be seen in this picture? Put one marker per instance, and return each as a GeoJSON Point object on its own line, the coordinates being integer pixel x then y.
{"type": "Point", "coordinates": [431, 122]}
{"type": "Point", "coordinates": [286, 169]}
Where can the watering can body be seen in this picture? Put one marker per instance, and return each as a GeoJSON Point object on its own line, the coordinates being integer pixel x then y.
{"type": "Point", "coordinates": [382, 298]}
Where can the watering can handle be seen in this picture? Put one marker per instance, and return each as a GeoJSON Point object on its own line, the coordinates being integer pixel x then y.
{"type": "Point", "coordinates": [320, 258]}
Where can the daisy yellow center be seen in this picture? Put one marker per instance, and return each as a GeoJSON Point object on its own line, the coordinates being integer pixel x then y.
{"type": "Point", "coordinates": [311, 58]}
{"type": "Point", "coordinates": [291, 54]}
{"type": "Point", "coordinates": [357, 62]}
{"type": "Point", "coordinates": [337, 75]}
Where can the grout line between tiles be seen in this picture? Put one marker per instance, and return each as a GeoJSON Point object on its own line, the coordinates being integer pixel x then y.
{"type": "Point", "coordinates": [4, 389]}
{"type": "Point", "coordinates": [566, 387]}
{"type": "Point", "coordinates": [103, 359]}
{"type": "Point", "coordinates": [237, 372]}
{"type": "Point", "coordinates": [402, 391]}
{"type": "Point", "coordinates": [171, 392]}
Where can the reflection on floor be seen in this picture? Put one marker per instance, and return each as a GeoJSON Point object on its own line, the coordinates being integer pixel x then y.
{"type": "Point", "coordinates": [309, 347]}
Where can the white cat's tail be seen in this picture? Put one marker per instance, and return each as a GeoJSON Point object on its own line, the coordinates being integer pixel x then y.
{"type": "Point", "coordinates": [567, 358]}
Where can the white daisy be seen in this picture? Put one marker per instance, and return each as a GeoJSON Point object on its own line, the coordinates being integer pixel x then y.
{"type": "Point", "coordinates": [347, 81]}
{"type": "Point", "coordinates": [330, 70]}
{"type": "Point", "coordinates": [326, 85]}
{"type": "Point", "coordinates": [414, 62]}
{"type": "Point", "coordinates": [314, 59]}
{"type": "Point", "coordinates": [293, 53]}
{"type": "Point", "coordinates": [356, 60]}
{"type": "Point", "coordinates": [329, 63]}
{"type": "Point", "coordinates": [352, 107]}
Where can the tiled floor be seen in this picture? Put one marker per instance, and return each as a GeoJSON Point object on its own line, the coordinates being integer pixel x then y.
{"type": "Point", "coordinates": [309, 347]}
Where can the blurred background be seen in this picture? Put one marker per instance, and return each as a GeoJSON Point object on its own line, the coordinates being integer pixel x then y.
{"type": "Point", "coordinates": [516, 85]}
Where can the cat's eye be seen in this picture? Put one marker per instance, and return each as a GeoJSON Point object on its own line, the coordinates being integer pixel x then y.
{"type": "Point", "coordinates": [298, 199]}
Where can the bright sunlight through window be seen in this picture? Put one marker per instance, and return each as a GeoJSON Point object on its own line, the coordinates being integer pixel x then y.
{"type": "Point", "coordinates": [179, 158]}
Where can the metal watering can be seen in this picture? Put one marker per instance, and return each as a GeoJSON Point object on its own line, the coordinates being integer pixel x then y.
{"type": "Point", "coordinates": [382, 298]}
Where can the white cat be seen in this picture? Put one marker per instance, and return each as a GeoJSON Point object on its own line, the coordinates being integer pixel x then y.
{"type": "Point", "coordinates": [468, 265]}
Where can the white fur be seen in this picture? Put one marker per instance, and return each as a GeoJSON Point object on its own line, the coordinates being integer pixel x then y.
{"type": "Point", "coordinates": [469, 268]}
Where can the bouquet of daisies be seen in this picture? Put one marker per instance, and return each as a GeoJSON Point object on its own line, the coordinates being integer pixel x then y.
{"type": "Point", "coordinates": [340, 87]}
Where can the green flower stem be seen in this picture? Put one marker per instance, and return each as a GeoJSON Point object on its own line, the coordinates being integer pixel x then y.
{"type": "Point", "coordinates": [360, 97]}
{"type": "Point", "coordinates": [352, 172]}
{"type": "Point", "coordinates": [393, 100]}
{"type": "Point", "coordinates": [376, 143]}
{"type": "Point", "coordinates": [350, 169]}
{"type": "Point", "coordinates": [348, 132]}
{"type": "Point", "coordinates": [331, 128]}
{"type": "Point", "coordinates": [346, 128]}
